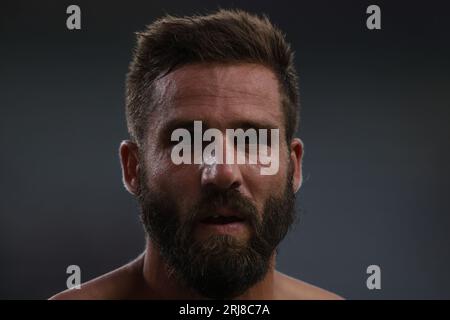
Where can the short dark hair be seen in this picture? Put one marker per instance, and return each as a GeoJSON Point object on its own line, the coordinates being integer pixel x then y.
{"type": "Point", "coordinates": [226, 36]}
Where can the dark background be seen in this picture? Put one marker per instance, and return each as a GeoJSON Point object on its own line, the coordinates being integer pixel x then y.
{"type": "Point", "coordinates": [376, 107]}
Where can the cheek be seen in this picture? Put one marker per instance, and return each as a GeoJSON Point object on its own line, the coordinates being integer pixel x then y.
{"type": "Point", "coordinates": [265, 185]}
{"type": "Point", "coordinates": [261, 187]}
{"type": "Point", "coordinates": [179, 183]}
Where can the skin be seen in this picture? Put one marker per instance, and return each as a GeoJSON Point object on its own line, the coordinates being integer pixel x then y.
{"type": "Point", "coordinates": [222, 96]}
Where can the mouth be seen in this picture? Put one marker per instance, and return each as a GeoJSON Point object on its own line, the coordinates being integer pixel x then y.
{"type": "Point", "coordinates": [220, 220]}
{"type": "Point", "coordinates": [224, 221]}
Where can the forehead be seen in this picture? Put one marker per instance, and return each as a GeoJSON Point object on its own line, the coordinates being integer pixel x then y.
{"type": "Point", "coordinates": [220, 95]}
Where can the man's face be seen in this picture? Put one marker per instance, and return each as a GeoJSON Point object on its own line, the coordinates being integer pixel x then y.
{"type": "Point", "coordinates": [220, 257]}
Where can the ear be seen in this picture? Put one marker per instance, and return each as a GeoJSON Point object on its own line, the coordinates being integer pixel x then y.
{"type": "Point", "coordinates": [129, 159]}
{"type": "Point", "coordinates": [296, 153]}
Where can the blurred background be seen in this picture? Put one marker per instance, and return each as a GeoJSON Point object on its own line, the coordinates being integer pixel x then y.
{"type": "Point", "coordinates": [374, 121]}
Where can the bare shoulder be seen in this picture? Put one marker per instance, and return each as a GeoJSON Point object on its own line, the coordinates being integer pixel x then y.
{"type": "Point", "coordinates": [117, 284]}
{"type": "Point", "coordinates": [293, 289]}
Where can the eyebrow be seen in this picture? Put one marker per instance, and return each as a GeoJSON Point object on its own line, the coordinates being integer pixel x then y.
{"type": "Point", "coordinates": [253, 124]}
{"type": "Point", "coordinates": [174, 124]}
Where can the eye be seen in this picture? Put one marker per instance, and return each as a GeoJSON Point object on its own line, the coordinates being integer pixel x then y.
{"type": "Point", "coordinates": [171, 143]}
{"type": "Point", "coordinates": [267, 138]}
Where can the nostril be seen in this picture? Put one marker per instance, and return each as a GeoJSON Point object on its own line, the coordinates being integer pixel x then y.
{"type": "Point", "coordinates": [235, 185]}
{"type": "Point", "coordinates": [221, 176]}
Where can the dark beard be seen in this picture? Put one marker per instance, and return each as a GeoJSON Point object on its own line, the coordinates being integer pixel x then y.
{"type": "Point", "coordinates": [220, 267]}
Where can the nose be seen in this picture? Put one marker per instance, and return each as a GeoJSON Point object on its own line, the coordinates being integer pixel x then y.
{"type": "Point", "coordinates": [217, 173]}
{"type": "Point", "coordinates": [221, 176]}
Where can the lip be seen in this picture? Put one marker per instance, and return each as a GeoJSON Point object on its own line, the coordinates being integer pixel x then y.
{"type": "Point", "coordinates": [226, 212]}
{"type": "Point", "coordinates": [227, 228]}
{"type": "Point", "coordinates": [234, 227]}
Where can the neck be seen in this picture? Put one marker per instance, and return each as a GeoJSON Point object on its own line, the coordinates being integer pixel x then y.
{"type": "Point", "coordinates": [159, 283]}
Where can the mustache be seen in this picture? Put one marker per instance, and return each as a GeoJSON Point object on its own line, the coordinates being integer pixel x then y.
{"type": "Point", "coordinates": [231, 199]}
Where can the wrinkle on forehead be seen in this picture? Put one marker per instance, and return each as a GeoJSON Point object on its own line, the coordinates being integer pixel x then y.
{"type": "Point", "coordinates": [218, 81]}
{"type": "Point", "coordinates": [244, 81]}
